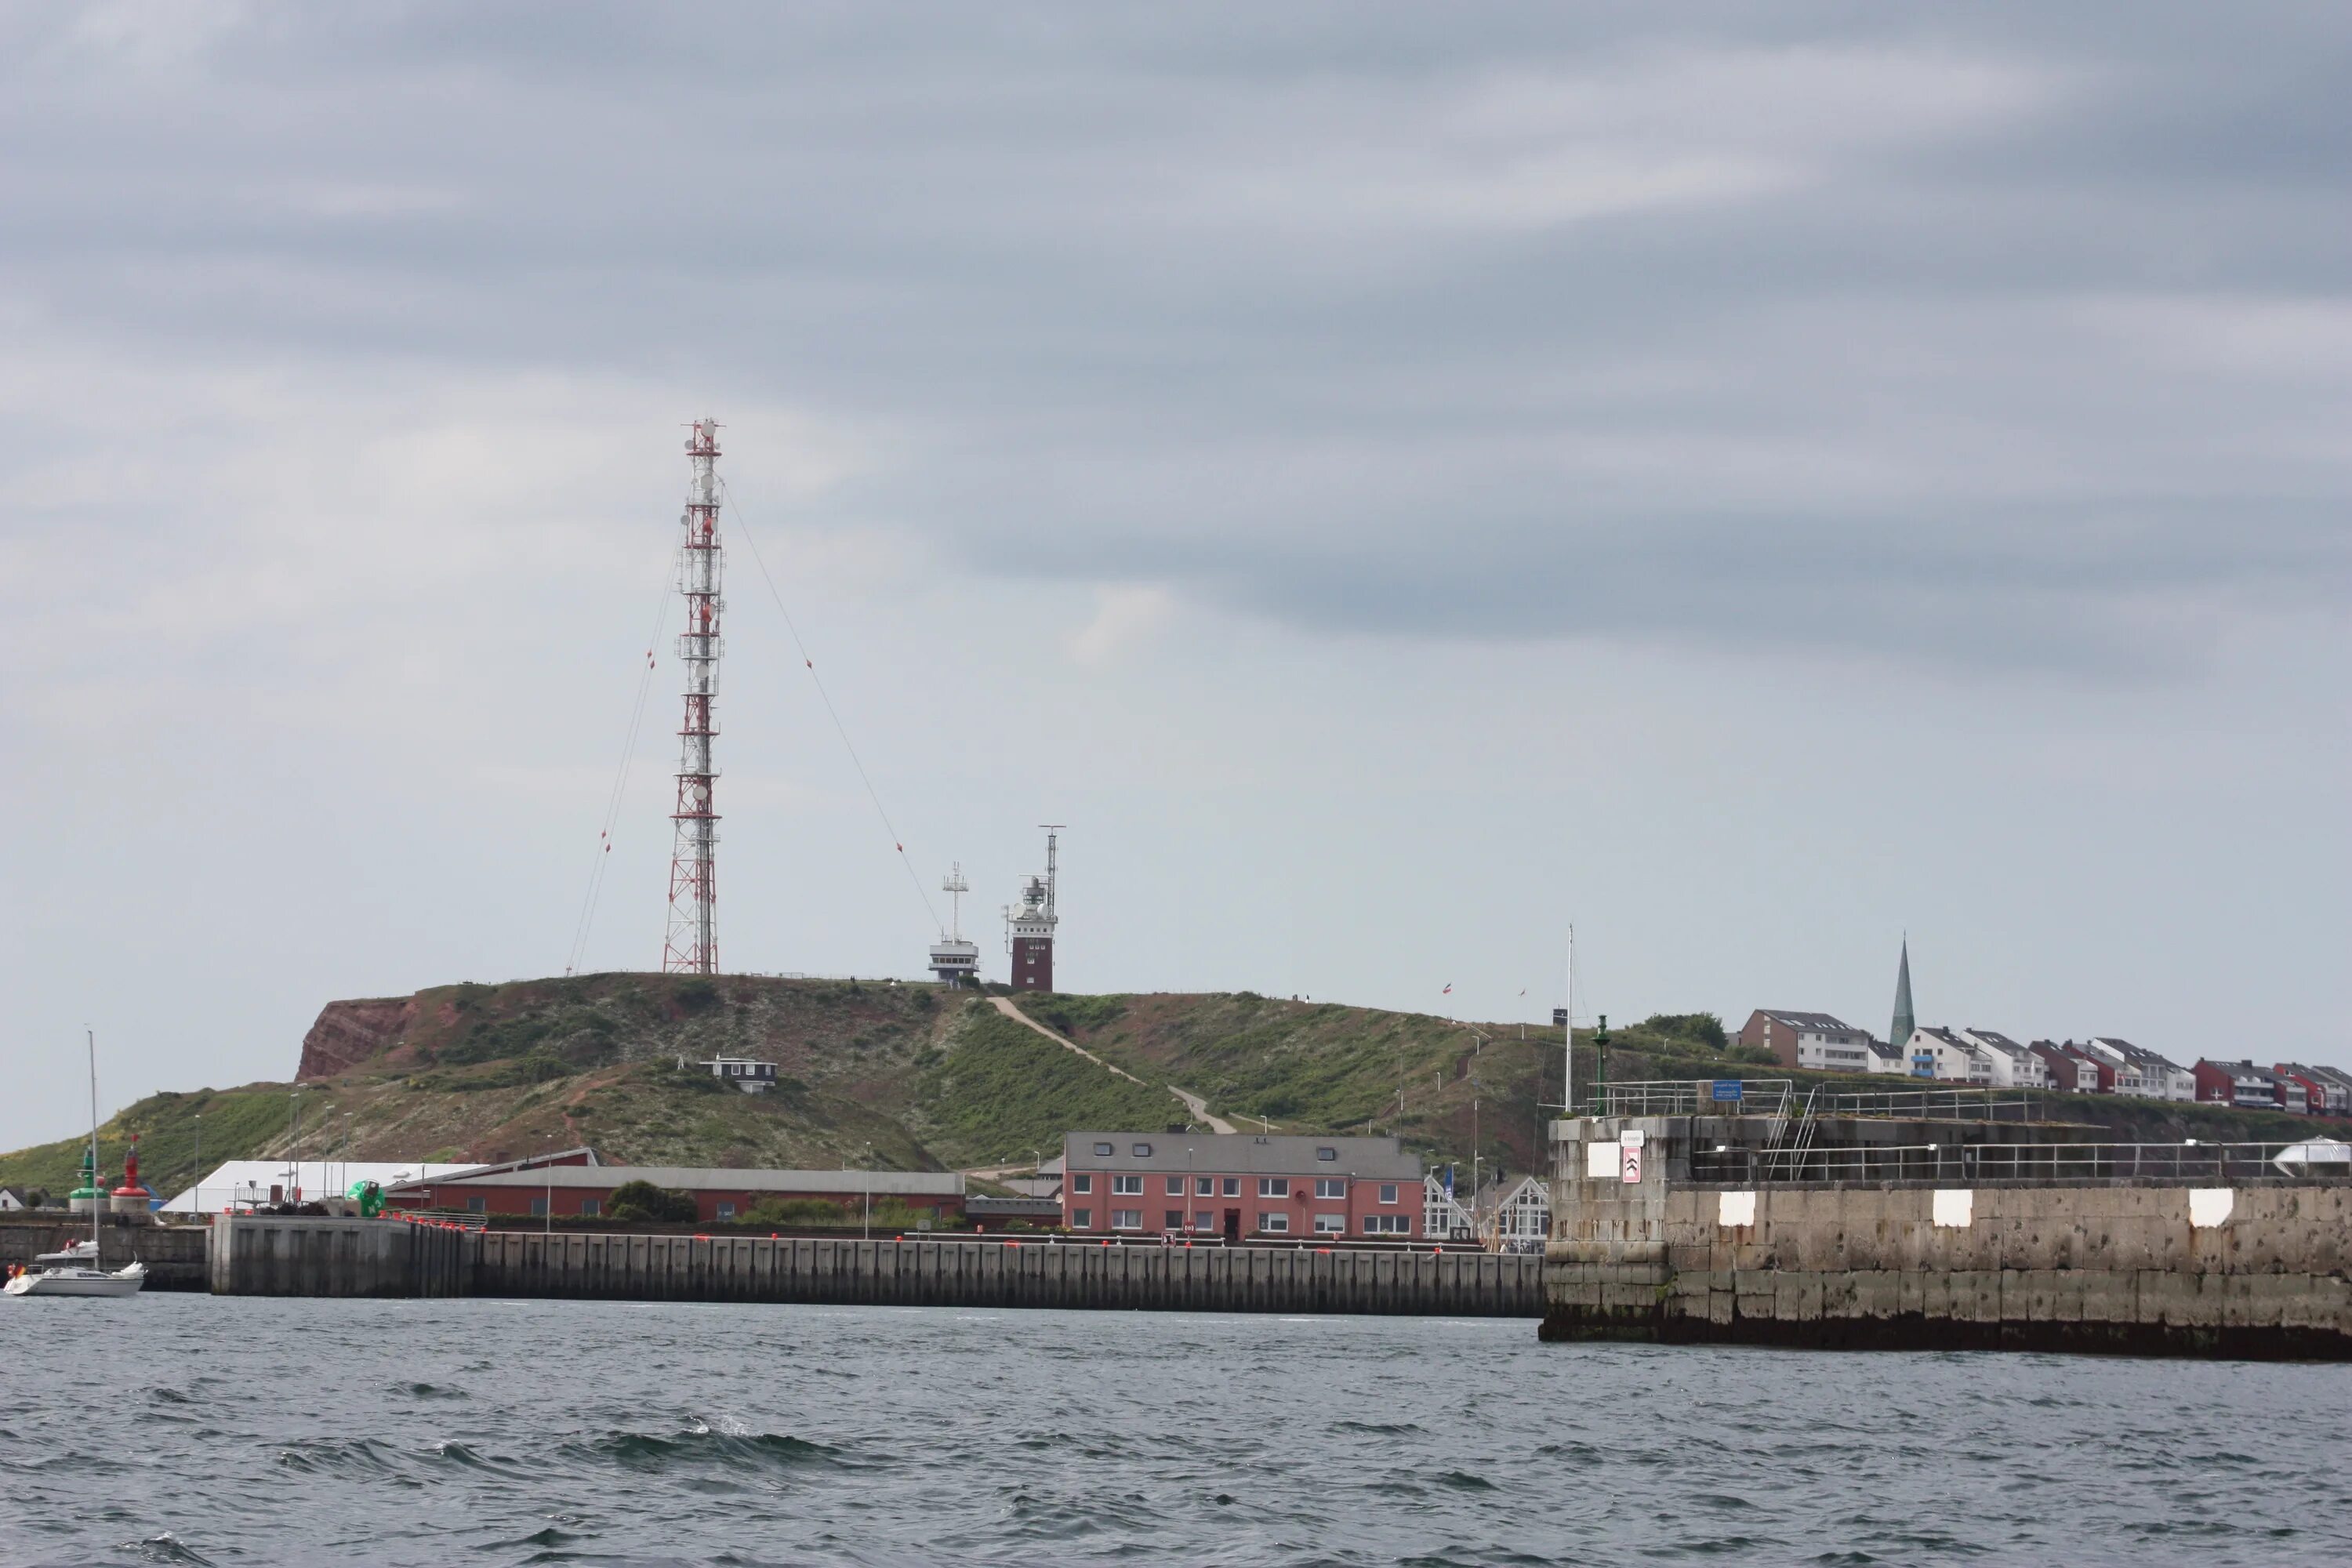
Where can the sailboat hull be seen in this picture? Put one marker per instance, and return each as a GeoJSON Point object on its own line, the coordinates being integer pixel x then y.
{"type": "Point", "coordinates": [77, 1282]}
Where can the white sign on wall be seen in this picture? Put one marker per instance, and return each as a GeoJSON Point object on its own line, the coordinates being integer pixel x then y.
{"type": "Point", "coordinates": [1954, 1210]}
{"type": "Point", "coordinates": [1601, 1161]}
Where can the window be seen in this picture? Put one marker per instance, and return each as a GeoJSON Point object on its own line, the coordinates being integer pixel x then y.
{"type": "Point", "coordinates": [1082, 1219]}
{"type": "Point", "coordinates": [1127, 1219]}
{"type": "Point", "coordinates": [1331, 1187]}
{"type": "Point", "coordinates": [1388, 1192]}
{"type": "Point", "coordinates": [1327, 1154]}
{"type": "Point", "coordinates": [1205, 1186]}
{"type": "Point", "coordinates": [478, 1205]}
{"type": "Point", "coordinates": [1330, 1225]}
{"type": "Point", "coordinates": [1081, 1182]}
{"type": "Point", "coordinates": [592, 1206]}
{"type": "Point", "coordinates": [1387, 1224]}
{"type": "Point", "coordinates": [1204, 1221]}
{"type": "Point", "coordinates": [1233, 1186]}
{"type": "Point", "coordinates": [1105, 1149]}
{"type": "Point", "coordinates": [1273, 1222]}
{"type": "Point", "coordinates": [1175, 1218]}
{"type": "Point", "coordinates": [1142, 1150]}
{"type": "Point", "coordinates": [538, 1207]}
{"type": "Point", "coordinates": [1274, 1187]}
{"type": "Point", "coordinates": [726, 1210]}
{"type": "Point", "coordinates": [1127, 1186]}
{"type": "Point", "coordinates": [1175, 1186]}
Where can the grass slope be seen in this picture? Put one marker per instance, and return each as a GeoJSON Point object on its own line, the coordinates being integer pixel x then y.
{"type": "Point", "coordinates": [931, 1079]}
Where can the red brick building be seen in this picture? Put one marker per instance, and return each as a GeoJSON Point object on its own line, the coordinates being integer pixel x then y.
{"type": "Point", "coordinates": [1239, 1184]}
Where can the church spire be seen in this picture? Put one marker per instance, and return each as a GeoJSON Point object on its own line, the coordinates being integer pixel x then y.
{"type": "Point", "coordinates": [1898, 1034]}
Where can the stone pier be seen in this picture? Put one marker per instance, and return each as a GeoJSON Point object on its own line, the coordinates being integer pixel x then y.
{"type": "Point", "coordinates": [2256, 1269]}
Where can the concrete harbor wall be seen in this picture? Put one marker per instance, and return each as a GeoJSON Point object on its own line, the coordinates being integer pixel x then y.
{"type": "Point", "coordinates": [2259, 1270]}
{"type": "Point", "coordinates": [941, 1273]}
{"type": "Point", "coordinates": [364, 1257]}
{"type": "Point", "coordinates": [175, 1257]}
{"type": "Point", "coordinates": [274, 1255]}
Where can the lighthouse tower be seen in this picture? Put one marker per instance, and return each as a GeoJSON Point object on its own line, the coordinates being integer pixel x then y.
{"type": "Point", "coordinates": [1029, 930]}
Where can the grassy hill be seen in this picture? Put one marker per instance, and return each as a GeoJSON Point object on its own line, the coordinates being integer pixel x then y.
{"type": "Point", "coordinates": [910, 1077]}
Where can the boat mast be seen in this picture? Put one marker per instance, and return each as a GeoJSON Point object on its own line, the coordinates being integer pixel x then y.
{"type": "Point", "coordinates": [96, 1186]}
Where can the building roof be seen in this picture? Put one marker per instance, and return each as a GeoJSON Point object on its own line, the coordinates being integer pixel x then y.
{"type": "Point", "coordinates": [1824, 1021]}
{"type": "Point", "coordinates": [982, 1208]}
{"type": "Point", "coordinates": [1252, 1153]}
{"type": "Point", "coordinates": [1993, 1039]}
{"type": "Point", "coordinates": [317, 1178]}
{"type": "Point", "coordinates": [703, 1178]}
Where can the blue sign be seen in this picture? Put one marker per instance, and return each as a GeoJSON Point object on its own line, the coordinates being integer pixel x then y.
{"type": "Point", "coordinates": [1726, 1088]}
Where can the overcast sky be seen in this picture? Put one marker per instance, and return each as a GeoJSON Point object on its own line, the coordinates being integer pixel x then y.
{"type": "Point", "coordinates": [1395, 480]}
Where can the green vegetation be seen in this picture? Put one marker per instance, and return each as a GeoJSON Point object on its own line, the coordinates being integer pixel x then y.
{"type": "Point", "coordinates": [913, 1078]}
{"type": "Point", "coordinates": [891, 1214]}
{"type": "Point", "coordinates": [643, 1201]}
{"type": "Point", "coordinates": [1000, 1091]}
{"type": "Point", "coordinates": [238, 1123]}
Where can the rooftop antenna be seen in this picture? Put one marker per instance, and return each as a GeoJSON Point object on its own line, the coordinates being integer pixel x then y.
{"type": "Point", "coordinates": [955, 961]}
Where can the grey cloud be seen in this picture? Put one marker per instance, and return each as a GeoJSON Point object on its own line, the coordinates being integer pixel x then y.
{"type": "Point", "coordinates": [1384, 320]}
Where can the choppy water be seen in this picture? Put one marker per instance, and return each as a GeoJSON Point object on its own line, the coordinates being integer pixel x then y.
{"type": "Point", "coordinates": [190, 1429]}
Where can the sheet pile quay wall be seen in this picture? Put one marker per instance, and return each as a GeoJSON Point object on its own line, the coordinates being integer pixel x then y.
{"type": "Point", "coordinates": [258, 1257]}
{"type": "Point", "coordinates": [2254, 1270]}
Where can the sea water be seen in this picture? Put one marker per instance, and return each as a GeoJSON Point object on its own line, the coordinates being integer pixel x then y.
{"type": "Point", "coordinates": [193, 1429]}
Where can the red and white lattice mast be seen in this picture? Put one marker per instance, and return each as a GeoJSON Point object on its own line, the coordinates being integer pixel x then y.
{"type": "Point", "coordinates": [693, 943]}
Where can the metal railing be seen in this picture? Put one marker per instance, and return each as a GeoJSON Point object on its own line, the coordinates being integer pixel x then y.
{"type": "Point", "coordinates": [2221, 1164]}
{"type": "Point", "coordinates": [1776, 1097]}
{"type": "Point", "coordinates": [1692, 1096]}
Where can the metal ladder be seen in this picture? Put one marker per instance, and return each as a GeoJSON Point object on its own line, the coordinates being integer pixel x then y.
{"type": "Point", "coordinates": [1785, 1157]}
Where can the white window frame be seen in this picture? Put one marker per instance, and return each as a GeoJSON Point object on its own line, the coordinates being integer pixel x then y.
{"type": "Point", "coordinates": [1275, 1224]}
{"type": "Point", "coordinates": [1127, 1219]}
{"type": "Point", "coordinates": [1175, 1186]}
{"type": "Point", "coordinates": [1388, 1192]}
{"type": "Point", "coordinates": [1082, 1219]}
{"type": "Point", "coordinates": [1329, 1187]}
{"type": "Point", "coordinates": [1082, 1182]}
{"type": "Point", "coordinates": [1127, 1186]}
{"type": "Point", "coordinates": [1274, 1187]}
{"type": "Point", "coordinates": [1330, 1225]}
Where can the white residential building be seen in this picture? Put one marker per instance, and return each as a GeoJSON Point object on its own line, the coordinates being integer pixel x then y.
{"type": "Point", "coordinates": [2013, 1067]}
{"type": "Point", "coordinates": [1442, 1218]}
{"type": "Point", "coordinates": [2128, 1078]}
{"type": "Point", "coordinates": [1948, 1057]}
{"type": "Point", "coordinates": [2161, 1079]}
{"type": "Point", "coordinates": [1515, 1217]}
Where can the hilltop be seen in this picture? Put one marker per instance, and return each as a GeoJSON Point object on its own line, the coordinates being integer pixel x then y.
{"type": "Point", "coordinates": [908, 1076]}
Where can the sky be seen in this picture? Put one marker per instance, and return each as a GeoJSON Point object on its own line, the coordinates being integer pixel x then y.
{"type": "Point", "coordinates": [1746, 483]}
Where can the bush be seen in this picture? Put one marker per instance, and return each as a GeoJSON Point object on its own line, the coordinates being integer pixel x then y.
{"type": "Point", "coordinates": [1697, 1028]}
{"type": "Point", "coordinates": [694, 995]}
{"type": "Point", "coordinates": [644, 1201]}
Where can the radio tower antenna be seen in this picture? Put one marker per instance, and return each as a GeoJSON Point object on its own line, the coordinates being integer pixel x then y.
{"type": "Point", "coordinates": [692, 946]}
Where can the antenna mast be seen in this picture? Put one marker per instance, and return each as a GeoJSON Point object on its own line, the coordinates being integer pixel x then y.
{"type": "Point", "coordinates": [692, 946]}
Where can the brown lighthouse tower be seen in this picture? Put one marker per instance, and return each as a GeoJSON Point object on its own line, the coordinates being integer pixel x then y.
{"type": "Point", "coordinates": [1029, 930]}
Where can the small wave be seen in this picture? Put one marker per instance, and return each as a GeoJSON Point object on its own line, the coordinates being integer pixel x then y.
{"type": "Point", "coordinates": [456, 1453]}
{"type": "Point", "coordinates": [699, 1445]}
{"type": "Point", "coordinates": [359, 1454]}
{"type": "Point", "coordinates": [1464, 1481]}
{"type": "Point", "coordinates": [164, 1548]}
{"type": "Point", "coordinates": [550, 1536]}
{"type": "Point", "coordinates": [169, 1396]}
{"type": "Point", "coordinates": [1381, 1428]}
{"type": "Point", "coordinates": [430, 1391]}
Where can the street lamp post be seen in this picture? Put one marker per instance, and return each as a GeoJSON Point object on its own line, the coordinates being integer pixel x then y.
{"type": "Point", "coordinates": [200, 1161]}
{"type": "Point", "coordinates": [865, 1189]}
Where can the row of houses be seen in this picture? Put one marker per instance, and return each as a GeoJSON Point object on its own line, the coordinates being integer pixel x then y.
{"type": "Point", "coordinates": [1821, 1042]}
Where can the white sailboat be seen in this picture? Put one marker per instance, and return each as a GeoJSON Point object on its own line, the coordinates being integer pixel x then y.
{"type": "Point", "coordinates": [75, 1271]}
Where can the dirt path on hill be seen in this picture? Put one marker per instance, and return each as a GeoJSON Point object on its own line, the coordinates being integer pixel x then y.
{"type": "Point", "coordinates": [1193, 1103]}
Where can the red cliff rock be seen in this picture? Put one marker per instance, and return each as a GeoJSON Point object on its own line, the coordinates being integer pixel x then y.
{"type": "Point", "coordinates": [349, 1033]}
